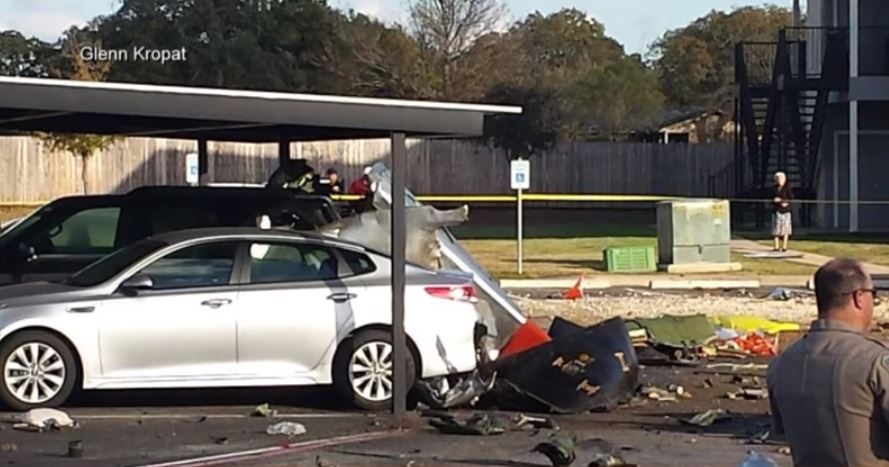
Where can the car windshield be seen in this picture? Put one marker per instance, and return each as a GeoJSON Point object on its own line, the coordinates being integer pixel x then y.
{"type": "Point", "coordinates": [113, 264]}
{"type": "Point", "coordinates": [20, 225]}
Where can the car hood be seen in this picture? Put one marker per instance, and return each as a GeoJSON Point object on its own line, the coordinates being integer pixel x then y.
{"type": "Point", "coordinates": [37, 293]}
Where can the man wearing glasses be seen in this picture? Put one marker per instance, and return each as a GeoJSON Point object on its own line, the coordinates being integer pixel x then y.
{"type": "Point", "coordinates": [829, 391]}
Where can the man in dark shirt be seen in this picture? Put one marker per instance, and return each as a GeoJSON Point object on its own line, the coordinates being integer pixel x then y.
{"type": "Point", "coordinates": [332, 185]}
{"type": "Point", "coordinates": [782, 222]}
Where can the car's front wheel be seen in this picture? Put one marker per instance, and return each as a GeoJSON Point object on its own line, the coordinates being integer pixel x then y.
{"type": "Point", "coordinates": [38, 370]}
{"type": "Point", "coordinates": [362, 370]}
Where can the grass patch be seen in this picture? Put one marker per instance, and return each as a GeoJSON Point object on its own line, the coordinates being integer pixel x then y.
{"type": "Point", "coordinates": [571, 250]}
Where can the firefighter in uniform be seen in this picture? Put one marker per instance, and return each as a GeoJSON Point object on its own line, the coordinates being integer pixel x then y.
{"type": "Point", "coordinates": [829, 391]}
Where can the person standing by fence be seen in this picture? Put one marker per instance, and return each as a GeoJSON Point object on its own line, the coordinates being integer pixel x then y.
{"type": "Point", "coordinates": [782, 220]}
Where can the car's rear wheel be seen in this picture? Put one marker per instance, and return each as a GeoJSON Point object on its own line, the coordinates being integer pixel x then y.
{"type": "Point", "coordinates": [38, 370]}
{"type": "Point", "coordinates": [362, 372]}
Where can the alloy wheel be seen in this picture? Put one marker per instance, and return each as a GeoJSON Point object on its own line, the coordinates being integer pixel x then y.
{"type": "Point", "coordinates": [34, 373]}
{"type": "Point", "coordinates": [370, 371]}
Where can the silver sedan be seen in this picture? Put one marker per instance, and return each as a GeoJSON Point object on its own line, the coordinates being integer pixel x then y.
{"type": "Point", "coordinates": [231, 307]}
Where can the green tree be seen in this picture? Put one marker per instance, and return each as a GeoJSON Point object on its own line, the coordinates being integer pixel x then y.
{"type": "Point", "coordinates": [563, 46]}
{"type": "Point", "coordinates": [695, 64]}
{"type": "Point", "coordinates": [71, 65]}
{"type": "Point", "coordinates": [622, 96]}
{"type": "Point", "coordinates": [21, 56]}
{"type": "Point", "coordinates": [447, 31]}
{"type": "Point", "coordinates": [372, 59]}
{"type": "Point", "coordinates": [535, 130]}
{"type": "Point", "coordinates": [251, 44]}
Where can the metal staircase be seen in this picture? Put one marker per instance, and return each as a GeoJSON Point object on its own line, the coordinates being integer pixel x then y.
{"type": "Point", "coordinates": [781, 105]}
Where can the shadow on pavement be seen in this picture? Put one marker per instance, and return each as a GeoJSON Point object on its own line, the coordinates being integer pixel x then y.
{"type": "Point", "coordinates": [319, 397]}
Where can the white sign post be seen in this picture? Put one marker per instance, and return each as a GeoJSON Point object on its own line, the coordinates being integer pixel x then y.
{"type": "Point", "coordinates": [192, 169]}
{"type": "Point", "coordinates": [520, 180]}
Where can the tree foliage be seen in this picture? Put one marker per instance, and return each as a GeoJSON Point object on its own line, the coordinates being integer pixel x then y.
{"type": "Point", "coordinates": [533, 131]}
{"type": "Point", "coordinates": [574, 81]}
{"type": "Point", "coordinates": [70, 64]}
{"type": "Point", "coordinates": [448, 29]}
{"type": "Point", "coordinates": [695, 64]}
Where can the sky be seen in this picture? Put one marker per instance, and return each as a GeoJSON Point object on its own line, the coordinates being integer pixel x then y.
{"type": "Point", "coordinates": [635, 23]}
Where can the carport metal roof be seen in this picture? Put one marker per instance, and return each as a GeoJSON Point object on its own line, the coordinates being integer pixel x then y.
{"type": "Point", "coordinates": [204, 114]}
{"type": "Point", "coordinates": [36, 104]}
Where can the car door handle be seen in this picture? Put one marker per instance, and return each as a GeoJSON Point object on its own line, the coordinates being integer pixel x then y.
{"type": "Point", "coordinates": [341, 297]}
{"type": "Point", "coordinates": [216, 302]}
{"type": "Point", "coordinates": [82, 309]}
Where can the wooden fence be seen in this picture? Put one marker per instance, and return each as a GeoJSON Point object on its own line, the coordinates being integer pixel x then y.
{"type": "Point", "coordinates": [30, 173]}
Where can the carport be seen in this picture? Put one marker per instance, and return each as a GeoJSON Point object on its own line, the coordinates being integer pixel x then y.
{"type": "Point", "coordinates": [205, 114]}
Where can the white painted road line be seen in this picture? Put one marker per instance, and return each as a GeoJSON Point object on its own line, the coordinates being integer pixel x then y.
{"type": "Point", "coordinates": [180, 416]}
{"type": "Point", "coordinates": [291, 448]}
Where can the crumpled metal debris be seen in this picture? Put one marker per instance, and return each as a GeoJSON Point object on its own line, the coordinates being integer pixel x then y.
{"type": "Point", "coordinates": [286, 428]}
{"type": "Point", "coordinates": [485, 423]}
{"type": "Point", "coordinates": [707, 418]}
{"type": "Point", "coordinates": [438, 395]}
{"type": "Point", "coordinates": [559, 449]}
{"type": "Point", "coordinates": [43, 419]}
{"type": "Point", "coordinates": [781, 293]}
{"type": "Point", "coordinates": [263, 410]}
{"type": "Point", "coordinates": [480, 424]}
{"type": "Point", "coordinates": [594, 368]}
{"type": "Point", "coordinates": [748, 394]}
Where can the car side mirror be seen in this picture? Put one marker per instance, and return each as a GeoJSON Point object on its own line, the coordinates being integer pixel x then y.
{"type": "Point", "coordinates": [26, 253]}
{"type": "Point", "coordinates": [133, 285]}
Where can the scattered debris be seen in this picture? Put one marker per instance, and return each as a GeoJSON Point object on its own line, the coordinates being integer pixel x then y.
{"type": "Point", "coordinates": [747, 381]}
{"type": "Point", "coordinates": [594, 368]}
{"type": "Point", "coordinates": [522, 420]}
{"type": "Point", "coordinates": [755, 459]}
{"type": "Point", "coordinates": [75, 449]}
{"type": "Point", "coordinates": [263, 410]}
{"type": "Point", "coordinates": [219, 439]}
{"type": "Point", "coordinates": [559, 449]}
{"type": "Point", "coordinates": [758, 438]}
{"type": "Point", "coordinates": [753, 324]}
{"type": "Point", "coordinates": [737, 367]}
{"type": "Point", "coordinates": [784, 450]}
{"type": "Point", "coordinates": [286, 428]}
{"type": "Point", "coordinates": [438, 395]}
{"type": "Point", "coordinates": [480, 424]}
{"type": "Point", "coordinates": [781, 293]}
{"type": "Point", "coordinates": [9, 447]}
{"type": "Point", "coordinates": [748, 394]}
{"type": "Point", "coordinates": [657, 394]}
{"type": "Point", "coordinates": [43, 419]}
{"type": "Point", "coordinates": [707, 418]}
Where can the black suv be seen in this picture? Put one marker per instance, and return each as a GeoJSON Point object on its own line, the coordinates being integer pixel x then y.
{"type": "Point", "coordinates": [66, 235]}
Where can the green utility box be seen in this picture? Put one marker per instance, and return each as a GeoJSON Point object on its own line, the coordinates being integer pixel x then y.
{"type": "Point", "coordinates": [630, 259]}
{"type": "Point", "coordinates": [693, 231]}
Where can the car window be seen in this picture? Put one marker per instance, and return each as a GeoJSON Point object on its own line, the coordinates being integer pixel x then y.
{"type": "Point", "coordinates": [279, 262]}
{"type": "Point", "coordinates": [110, 266]}
{"type": "Point", "coordinates": [91, 231]}
{"type": "Point", "coordinates": [359, 263]}
{"type": "Point", "coordinates": [172, 218]}
{"type": "Point", "coordinates": [205, 265]}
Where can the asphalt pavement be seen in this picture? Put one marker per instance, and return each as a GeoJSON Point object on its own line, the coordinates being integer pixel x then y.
{"type": "Point", "coordinates": [213, 427]}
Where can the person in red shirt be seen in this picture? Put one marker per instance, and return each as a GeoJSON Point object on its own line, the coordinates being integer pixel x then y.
{"type": "Point", "coordinates": [362, 187]}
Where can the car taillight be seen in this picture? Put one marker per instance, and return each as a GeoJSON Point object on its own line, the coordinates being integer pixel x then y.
{"type": "Point", "coordinates": [463, 293]}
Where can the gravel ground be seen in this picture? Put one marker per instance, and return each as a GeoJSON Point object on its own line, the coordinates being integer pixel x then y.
{"type": "Point", "coordinates": [645, 304]}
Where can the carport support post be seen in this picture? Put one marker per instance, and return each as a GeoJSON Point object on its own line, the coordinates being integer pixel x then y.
{"type": "Point", "coordinates": [203, 163]}
{"type": "Point", "coordinates": [398, 233]}
{"type": "Point", "coordinates": [283, 151]}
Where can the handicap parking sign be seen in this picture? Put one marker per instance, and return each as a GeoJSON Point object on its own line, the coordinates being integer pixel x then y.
{"type": "Point", "coordinates": [520, 174]}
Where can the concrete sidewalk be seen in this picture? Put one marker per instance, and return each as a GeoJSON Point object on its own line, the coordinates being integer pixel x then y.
{"type": "Point", "coordinates": [742, 245]}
